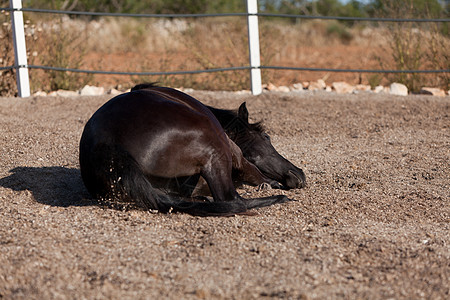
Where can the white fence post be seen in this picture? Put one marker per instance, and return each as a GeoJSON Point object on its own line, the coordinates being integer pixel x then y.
{"type": "Point", "coordinates": [20, 50]}
{"type": "Point", "coordinates": [253, 44]}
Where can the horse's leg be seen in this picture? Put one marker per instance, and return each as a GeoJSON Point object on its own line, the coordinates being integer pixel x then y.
{"type": "Point", "coordinates": [218, 176]}
{"type": "Point", "coordinates": [246, 172]}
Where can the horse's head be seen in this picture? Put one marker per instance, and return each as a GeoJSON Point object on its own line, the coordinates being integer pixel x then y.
{"type": "Point", "coordinates": [257, 148]}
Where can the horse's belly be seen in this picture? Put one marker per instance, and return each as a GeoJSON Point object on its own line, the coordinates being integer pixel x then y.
{"type": "Point", "coordinates": [176, 153]}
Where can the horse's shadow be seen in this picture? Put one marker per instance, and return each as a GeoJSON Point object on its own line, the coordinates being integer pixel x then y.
{"type": "Point", "coordinates": [55, 186]}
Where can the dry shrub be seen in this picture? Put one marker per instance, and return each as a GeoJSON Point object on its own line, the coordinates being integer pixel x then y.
{"type": "Point", "coordinates": [438, 56]}
{"type": "Point", "coordinates": [203, 44]}
{"type": "Point", "coordinates": [211, 45]}
{"type": "Point", "coordinates": [60, 46]}
{"type": "Point", "coordinates": [8, 86]}
{"type": "Point", "coordinates": [416, 46]}
{"type": "Point", "coordinates": [158, 45]}
{"type": "Point", "coordinates": [49, 43]}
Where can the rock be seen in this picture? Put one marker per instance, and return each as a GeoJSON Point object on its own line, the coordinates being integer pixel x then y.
{"type": "Point", "coordinates": [40, 93]}
{"type": "Point", "coordinates": [297, 86]}
{"type": "Point", "coordinates": [318, 85]}
{"type": "Point", "coordinates": [63, 93]}
{"type": "Point", "coordinates": [398, 89]}
{"type": "Point", "coordinates": [271, 87]}
{"type": "Point", "coordinates": [322, 83]}
{"type": "Point", "coordinates": [363, 87]}
{"type": "Point", "coordinates": [342, 87]}
{"type": "Point", "coordinates": [432, 91]}
{"type": "Point", "coordinates": [305, 84]}
{"type": "Point", "coordinates": [378, 89]}
{"type": "Point", "coordinates": [114, 91]}
{"type": "Point", "coordinates": [243, 92]}
{"type": "Point", "coordinates": [89, 90]}
{"type": "Point", "coordinates": [283, 89]}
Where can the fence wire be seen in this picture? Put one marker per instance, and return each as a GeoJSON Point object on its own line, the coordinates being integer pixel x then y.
{"type": "Point", "coordinates": [7, 68]}
{"type": "Point", "coordinates": [292, 16]}
{"type": "Point", "coordinates": [49, 68]}
{"type": "Point", "coordinates": [51, 11]}
{"type": "Point", "coordinates": [350, 70]}
{"type": "Point", "coordinates": [138, 73]}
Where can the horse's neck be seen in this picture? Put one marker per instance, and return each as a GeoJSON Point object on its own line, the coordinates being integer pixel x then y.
{"type": "Point", "coordinates": [231, 124]}
{"type": "Point", "coordinates": [226, 118]}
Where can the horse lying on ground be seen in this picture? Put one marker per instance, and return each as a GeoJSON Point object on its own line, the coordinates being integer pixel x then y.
{"type": "Point", "coordinates": [154, 145]}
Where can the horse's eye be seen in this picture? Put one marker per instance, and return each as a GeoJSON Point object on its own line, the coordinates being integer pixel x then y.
{"type": "Point", "coordinates": [266, 136]}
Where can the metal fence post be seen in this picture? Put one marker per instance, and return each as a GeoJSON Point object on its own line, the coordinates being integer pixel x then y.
{"type": "Point", "coordinates": [20, 50]}
{"type": "Point", "coordinates": [253, 44]}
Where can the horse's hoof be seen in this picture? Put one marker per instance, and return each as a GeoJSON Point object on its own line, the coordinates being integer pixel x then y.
{"type": "Point", "coordinates": [276, 185]}
{"type": "Point", "coordinates": [263, 187]}
{"type": "Point", "coordinates": [283, 199]}
{"type": "Point", "coordinates": [250, 213]}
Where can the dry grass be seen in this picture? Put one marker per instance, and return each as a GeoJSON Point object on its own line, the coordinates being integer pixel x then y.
{"type": "Point", "coordinates": [7, 81]}
{"type": "Point", "coordinates": [417, 48]}
{"type": "Point", "coordinates": [153, 45]}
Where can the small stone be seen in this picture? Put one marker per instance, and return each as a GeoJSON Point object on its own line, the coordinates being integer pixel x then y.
{"type": "Point", "coordinates": [63, 93]}
{"type": "Point", "coordinates": [283, 89]}
{"type": "Point", "coordinates": [114, 91]}
{"type": "Point", "coordinates": [40, 93]}
{"type": "Point", "coordinates": [298, 86]}
{"type": "Point", "coordinates": [398, 89]}
{"type": "Point", "coordinates": [243, 92]}
{"type": "Point", "coordinates": [378, 89]}
{"type": "Point", "coordinates": [363, 87]}
{"type": "Point", "coordinates": [89, 90]}
{"type": "Point", "coordinates": [318, 85]}
{"type": "Point", "coordinates": [432, 91]}
{"type": "Point", "coordinates": [271, 87]}
{"type": "Point", "coordinates": [342, 87]}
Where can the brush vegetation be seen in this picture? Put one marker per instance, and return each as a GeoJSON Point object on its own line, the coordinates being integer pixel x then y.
{"type": "Point", "coordinates": [153, 45]}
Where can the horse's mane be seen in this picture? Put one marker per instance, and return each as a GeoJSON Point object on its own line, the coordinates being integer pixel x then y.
{"type": "Point", "coordinates": [143, 86]}
{"type": "Point", "coordinates": [232, 123]}
{"type": "Point", "coordinates": [258, 127]}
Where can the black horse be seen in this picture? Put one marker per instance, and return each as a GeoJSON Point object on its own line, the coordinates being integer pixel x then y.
{"type": "Point", "coordinates": [152, 146]}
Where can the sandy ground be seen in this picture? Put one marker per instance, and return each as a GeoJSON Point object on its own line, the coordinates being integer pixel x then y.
{"type": "Point", "coordinates": [373, 222]}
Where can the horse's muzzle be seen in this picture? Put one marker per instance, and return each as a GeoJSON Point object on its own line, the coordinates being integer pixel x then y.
{"type": "Point", "coordinates": [295, 179]}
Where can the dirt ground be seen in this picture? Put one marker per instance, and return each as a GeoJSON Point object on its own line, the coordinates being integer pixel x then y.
{"type": "Point", "coordinates": [373, 222]}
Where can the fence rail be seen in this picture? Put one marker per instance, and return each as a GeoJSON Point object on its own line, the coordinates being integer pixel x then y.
{"type": "Point", "coordinates": [252, 15]}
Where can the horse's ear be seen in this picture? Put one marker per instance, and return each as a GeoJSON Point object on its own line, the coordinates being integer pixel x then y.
{"type": "Point", "coordinates": [243, 112]}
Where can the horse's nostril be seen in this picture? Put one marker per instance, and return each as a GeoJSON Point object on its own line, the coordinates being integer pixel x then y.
{"type": "Point", "coordinates": [296, 179]}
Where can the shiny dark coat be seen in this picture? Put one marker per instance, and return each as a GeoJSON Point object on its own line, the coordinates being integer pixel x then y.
{"type": "Point", "coordinates": [155, 145]}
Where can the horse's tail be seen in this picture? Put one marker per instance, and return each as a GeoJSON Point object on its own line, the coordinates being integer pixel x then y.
{"type": "Point", "coordinates": [109, 172]}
